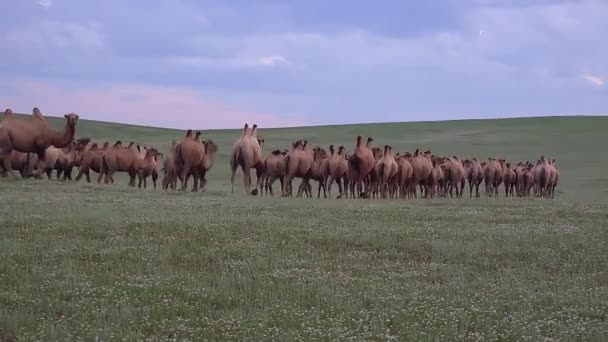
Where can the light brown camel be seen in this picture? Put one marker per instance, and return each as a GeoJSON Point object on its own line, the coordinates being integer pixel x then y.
{"type": "Point", "coordinates": [170, 174]}
{"type": "Point", "coordinates": [189, 154]}
{"type": "Point", "coordinates": [455, 176]}
{"type": "Point", "coordinates": [492, 176]}
{"type": "Point", "coordinates": [119, 159]}
{"type": "Point", "coordinates": [386, 170]}
{"type": "Point", "coordinates": [542, 177]}
{"type": "Point", "coordinates": [32, 136]}
{"type": "Point", "coordinates": [298, 163]}
{"type": "Point", "coordinates": [553, 179]}
{"type": "Point", "coordinates": [405, 175]}
{"type": "Point", "coordinates": [208, 160]}
{"type": "Point", "coordinates": [24, 163]}
{"type": "Point", "coordinates": [316, 173]}
{"type": "Point", "coordinates": [147, 167]}
{"type": "Point", "coordinates": [437, 182]}
{"type": "Point", "coordinates": [50, 161]}
{"type": "Point", "coordinates": [525, 180]}
{"type": "Point", "coordinates": [360, 164]}
{"type": "Point", "coordinates": [247, 153]}
{"type": "Point", "coordinates": [335, 170]}
{"type": "Point", "coordinates": [274, 168]}
{"type": "Point", "coordinates": [474, 175]}
{"type": "Point", "coordinates": [423, 172]}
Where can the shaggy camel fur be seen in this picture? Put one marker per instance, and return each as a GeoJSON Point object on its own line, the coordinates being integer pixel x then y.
{"type": "Point", "coordinates": [247, 153]}
{"type": "Point", "coordinates": [335, 169]}
{"type": "Point", "coordinates": [32, 136]}
{"type": "Point", "coordinates": [492, 176]}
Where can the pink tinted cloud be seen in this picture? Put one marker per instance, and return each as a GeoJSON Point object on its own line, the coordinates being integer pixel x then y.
{"type": "Point", "coordinates": [137, 104]}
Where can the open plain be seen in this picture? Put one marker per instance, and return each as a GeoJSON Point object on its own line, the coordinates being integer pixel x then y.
{"type": "Point", "coordinates": [82, 261]}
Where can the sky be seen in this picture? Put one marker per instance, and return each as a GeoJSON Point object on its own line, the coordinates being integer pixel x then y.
{"type": "Point", "coordinates": [218, 64]}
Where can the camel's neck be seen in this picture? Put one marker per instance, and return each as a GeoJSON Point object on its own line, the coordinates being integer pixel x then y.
{"type": "Point", "coordinates": [63, 139]}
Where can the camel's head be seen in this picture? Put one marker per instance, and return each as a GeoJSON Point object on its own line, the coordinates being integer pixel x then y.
{"type": "Point", "coordinates": [82, 143]}
{"type": "Point", "coordinates": [210, 147]}
{"type": "Point", "coordinates": [261, 141]}
{"type": "Point", "coordinates": [72, 119]}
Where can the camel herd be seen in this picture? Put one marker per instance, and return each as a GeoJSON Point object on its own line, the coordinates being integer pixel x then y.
{"type": "Point", "coordinates": [34, 148]}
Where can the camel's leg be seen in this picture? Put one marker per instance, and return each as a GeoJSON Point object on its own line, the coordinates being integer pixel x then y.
{"type": "Point", "coordinates": [6, 164]}
{"type": "Point", "coordinates": [233, 168]}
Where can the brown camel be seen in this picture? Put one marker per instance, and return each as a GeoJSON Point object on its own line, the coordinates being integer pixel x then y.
{"type": "Point", "coordinates": [298, 163]}
{"type": "Point", "coordinates": [474, 175]}
{"type": "Point", "coordinates": [360, 164]}
{"type": "Point", "coordinates": [405, 175]}
{"type": "Point", "coordinates": [525, 180]}
{"type": "Point", "coordinates": [543, 175]}
{"type": "Point", "coordinates": [119, 159]}
{"type": "Point", "coordinates": [147, 167]}
{"type": "Point", "coordinates": [52, 155]}
{"type": "Point", "coordinates": [336, 168]}
{"type": "Point", "coordinates": [423, 171]}
{"type": "Point", "coordinates": [274, 168]}
{"type": "Point", "coordinates": [89, 158]}
{"type": "Point", "coordinates": [553, 179]}
{"type": "Point", "coordinates": [32, 136]}
{"type": "Point", "coordinates": [24, 163]}
{"type": "Point", "coordinates": [492, 176]}
{"type": "Point", "coordinates": [170, 174]}
{"type": "Point", "coordinates": [386, 171]}
{"type": "Point", "coordinates": [455, 176]}
{"type": "Point", "coordinates": [509, 178]}
{"type": "Point", "coordinates": [65, 162]}
{"type": "Point", "coordinates": [247, 153]}
{"type": "Point", "coordinates": [316, 173]}
{"type": "Point", "coordinates": [208, 160]}
{"type": "Point", "coordinates": [189, 154]}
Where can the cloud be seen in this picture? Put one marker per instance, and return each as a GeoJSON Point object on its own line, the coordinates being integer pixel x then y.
{"type": "Point", "coordinates": [46, 4]}
{"type": "Point", "coordinates": [273, 60]}
{"type": "Point", "coordinates": [137, 104]}
{"type": "Point", "coordinates": [597, 81]}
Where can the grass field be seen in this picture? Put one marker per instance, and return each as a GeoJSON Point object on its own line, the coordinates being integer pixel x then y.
{"type": "Point", "coordinates": [80, 261]}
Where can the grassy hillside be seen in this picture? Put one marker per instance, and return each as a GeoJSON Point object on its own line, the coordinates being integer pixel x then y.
{"type": "Point", "coordinates": [578, 144]}
{"type": "Point", "coordinates": [97, 262]}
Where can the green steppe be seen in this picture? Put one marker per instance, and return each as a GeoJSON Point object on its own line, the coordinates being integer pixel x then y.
{"type": "Point", "coordinates": [84, 261]}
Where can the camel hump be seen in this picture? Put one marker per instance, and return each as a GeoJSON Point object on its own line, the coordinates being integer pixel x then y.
{"type": "Point", "coordinates": [188, 133]}
{"type": "Point", "coordinates": [417, 152]}
{"type": "Point", "coordinates": [331, 149]}
{"type": "Point", "coordinates": [118, 144]}
{"type": "Point", "coordinates": [369, 140]}
{"type": "Point", "coordinates": [276, 152]}
{"type": "Point", "coordinates": [359, 138]}
{"type": "Point", "coordinates": [8, 112]}
{"type": "Point", "coordinates": [37, 114]}
{"type": "Point", "coordinates": [197, 136]}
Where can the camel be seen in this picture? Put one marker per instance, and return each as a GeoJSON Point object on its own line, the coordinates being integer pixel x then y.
{"type": "Point", "coordinates": [423, 171]}
{"type": "Point", "coordinates": [119, 159]}
{"type": "Point", "coordinates": [24, 163]}
{"type": "Point", "coordinates": [274, 168]}
{"type": "Point", "coordinates": [49, 163]}
{"type": "Point", "coordinates": [525, 180]}
{"type": "Point", "coordinates": [373, 179]}
{"type": "Point", "coordinates": [405, 175]}
{"type": "Point", "coordinates": [316, 173]}
{"type": "Point", "coordinates": [543, 177]}
{"type": "Point", "coordinates": [298, 163]}
{"type": "Point", "coordinates": [32, 136]}
{"type": "Point", "coordinates": [335, 169]}
{"type": "Point", "coordinates": [474, 175]}
{"type": "Point", "coordinates": [509, 178]}
{"type": "Point", "coordinates": [247, 153]}
{"type": "Point", "coordinates": [492, 176]}
{"type": "Point", "coordinates": [65, 162]}
{"type": "Point", "coordinates": [455, 176]}
{"type": "Point", "coordinates": [360, 164]}
{"type": "Point", "coordinates": [170, 174]}
{"type": "Point", "coordinates": [208, 160]}
{"type": "Point", "coordinates": [90, 157]}
{"type": "Point", "coordinates": [386, 172]}
{"type": "Point", "coordinates": [189, 154]}
{"type": "Point", "coordinates": [553, 178]}
{"type": "Point", "coordinates": [146, 167]}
